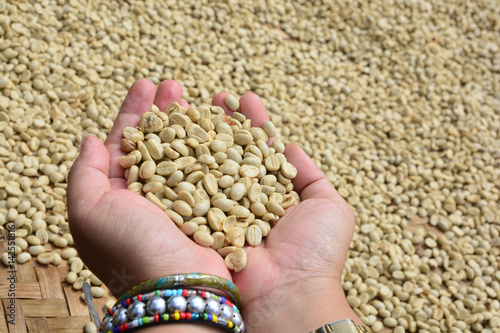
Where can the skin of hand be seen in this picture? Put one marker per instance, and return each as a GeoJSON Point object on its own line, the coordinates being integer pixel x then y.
{"type": "Point", "coordinates": [292, 281]}
{"type": "Point", "coordinates": [121, 236]}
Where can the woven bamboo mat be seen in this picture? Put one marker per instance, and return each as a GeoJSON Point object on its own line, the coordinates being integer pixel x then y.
{"type": "Point", "coordinates": [44, 302]}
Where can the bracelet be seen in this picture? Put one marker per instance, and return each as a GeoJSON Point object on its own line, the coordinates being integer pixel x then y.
{"type": "Point", "coordinates": [167, 293]}
{"type": "Point", "coordinates": [202, 307]}
{"type": "Point", "coordinates": [187, 280]}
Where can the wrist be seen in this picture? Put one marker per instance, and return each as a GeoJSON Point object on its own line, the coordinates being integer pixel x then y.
{"type": "Point", "coordinates": [300, 308]}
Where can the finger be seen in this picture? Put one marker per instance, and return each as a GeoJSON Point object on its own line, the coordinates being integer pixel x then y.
{"type": "Point", "coordinates": [88, 178]}
{"type": "Point", "coordinates": [253, 108]}
{"type": "Point", "coordinates": [168, 92]}
{"type": "Point", "coordinates": [250, 105]}
{"type": "Point", "coordinates": [138, 101]}
{"type": "Point", "coordinates": [310, 182]}
{"type": "Point", "coordinates": [219, 101]}
{"type": "Point", "coordinates": [184, 104]}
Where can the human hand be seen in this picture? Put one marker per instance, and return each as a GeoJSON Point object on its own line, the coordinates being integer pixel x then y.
{"type": "Point", "coordinates": [121, 236]}
{"type": "Point", "coordinates": [292, 280]}
{"type": "Point", "coordinates": [297, 267]}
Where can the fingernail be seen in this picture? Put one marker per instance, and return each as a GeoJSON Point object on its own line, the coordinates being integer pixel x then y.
{"type": "Point", "coordinates": [85, 136]}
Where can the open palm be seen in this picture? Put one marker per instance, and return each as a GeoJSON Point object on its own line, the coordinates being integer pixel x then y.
{"type": "Point", "coordinates": [121, 236]}
{"type": "Point", "coordinates": [299, 264]}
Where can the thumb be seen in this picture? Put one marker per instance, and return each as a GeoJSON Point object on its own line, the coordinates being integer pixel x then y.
{"type": "Point", "coordinates": [88, 178]}
{"type": "Point", "coordinates": [310, 182]}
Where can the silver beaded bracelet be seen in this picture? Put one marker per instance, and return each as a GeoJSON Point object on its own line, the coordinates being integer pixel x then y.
{"type": "Point", "coordinates": [173, 305]}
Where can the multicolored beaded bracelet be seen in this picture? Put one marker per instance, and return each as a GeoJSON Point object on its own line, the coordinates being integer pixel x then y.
{"type": "Point", "coordinates": [187, 280]}
{"type": "Point", "coordinates": [169, 293]}
{"type": "Point", "coordinates": [178, 317]}
{"type": "Point", "coordinates": [202, 306]}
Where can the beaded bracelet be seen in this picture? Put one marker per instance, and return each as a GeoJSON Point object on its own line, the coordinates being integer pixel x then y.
{"type": "Point", "coordinates": [202, 307]}
{"type": "Point", "coordinates": [187, 280]}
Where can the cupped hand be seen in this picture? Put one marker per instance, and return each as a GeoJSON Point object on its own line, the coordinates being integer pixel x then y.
{"type": "Point", "coordinates": [292, 281]}
{"type": "Point", "coordinates": [121, 236]}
